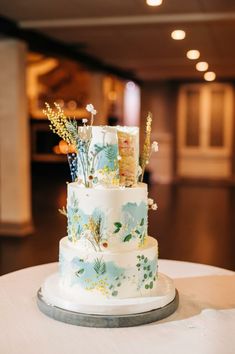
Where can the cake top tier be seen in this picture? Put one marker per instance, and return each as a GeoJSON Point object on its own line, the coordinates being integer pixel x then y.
{"type": "Point", "coordinates": [102, 155]}
{"type": "Point", "coordinates": [107, 156]}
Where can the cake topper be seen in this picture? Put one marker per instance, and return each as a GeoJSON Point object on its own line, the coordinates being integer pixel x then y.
{"type": "Point", "coordinates": [110, 158]}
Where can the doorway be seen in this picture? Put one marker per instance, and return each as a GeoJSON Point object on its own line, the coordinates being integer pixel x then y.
{"type": "Point", "coordinates": [205, 131]}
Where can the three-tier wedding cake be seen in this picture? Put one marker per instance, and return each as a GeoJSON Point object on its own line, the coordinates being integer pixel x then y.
{"type": "Point", "coordinates": [108, 264]}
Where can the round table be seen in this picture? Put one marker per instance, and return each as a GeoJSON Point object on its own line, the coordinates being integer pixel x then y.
{"type": "Point", "coordinates": [203, 323]}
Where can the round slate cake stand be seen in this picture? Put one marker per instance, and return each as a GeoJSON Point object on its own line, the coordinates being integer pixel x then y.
{"type": "Point", "coordinates": [56, 303]}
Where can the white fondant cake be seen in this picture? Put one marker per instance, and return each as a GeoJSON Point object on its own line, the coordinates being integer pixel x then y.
{"type": "Point", "coordinates": [107, 254]}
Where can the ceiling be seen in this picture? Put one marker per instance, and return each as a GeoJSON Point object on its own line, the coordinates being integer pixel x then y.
{"type": "Point", "coordinates": [131, 35]}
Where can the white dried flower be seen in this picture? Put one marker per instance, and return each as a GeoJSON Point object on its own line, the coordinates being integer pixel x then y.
{"type": "Point", "coordinates": [154, 206]}
{"type": "Point", "coordinates": [154, 146]}
{"type": "Point", "coordinates": [150, 201]}
{"type": "Point", "coordinates": [84, 120]}
{"type": "Point", "coordinates": [119, 157]}
{"type": "Point", "coordinates": [90, 108]}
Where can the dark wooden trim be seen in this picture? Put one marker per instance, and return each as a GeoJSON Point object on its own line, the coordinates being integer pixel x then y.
{"type": "Point", "coordinates": [8, 229]}
{"type": "Point", "coordinates": [174, 130]}
{"type": "Point", "coordinates": [207, 182]}
{"type": "Point", "coordinates": [233, 139]}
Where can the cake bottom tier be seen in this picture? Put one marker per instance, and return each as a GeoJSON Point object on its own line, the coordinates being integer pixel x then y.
{"type": "Point", "coordinates": [102, 275]}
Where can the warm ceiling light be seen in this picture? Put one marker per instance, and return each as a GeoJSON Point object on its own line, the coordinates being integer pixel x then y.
{"type": "Point", "coordinates": [209, 76]}
{"type": "Point", "coordinates": [202, 66]}
{"type": "Point", "coordinates": [193, 54]}
{"type": "Point", "coordinates": [154, 2]}
{"type": "Point", "coordinates": [178, 35]}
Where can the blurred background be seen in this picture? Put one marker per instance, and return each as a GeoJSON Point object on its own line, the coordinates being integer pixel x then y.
{"type": "Point", "coordinates": [173, 58]}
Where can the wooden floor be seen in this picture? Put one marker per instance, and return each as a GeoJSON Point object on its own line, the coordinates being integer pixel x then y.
{"type": "Point", "coordinates": [193, 223]}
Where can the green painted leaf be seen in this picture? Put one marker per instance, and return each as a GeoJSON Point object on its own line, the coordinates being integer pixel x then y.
{"type": "Point", "coordinates": [151, 285]}
{"type": "Point", "coordinates": [142, 222]}
{"type": "Point", "coordinates": [118, 226]}
{"type": "Point", "coordinates": [103, 268]}
{"type": "Point", "coordinates": [127, 238]}
{"type": "Point", "coordinates": [138, 265]}
{"type": "Point", "coordinates": [145, 260]}
{"type": "Point", "coordinates": [114, 293]}
{"type": "Point", "coordinates": [99, 266]}
{"type": "Point", "coordinates": [137, 232]}
{"type": "Point", "coordinates": [119, 284]}
{"type": "Point", "coordinates": [145, 276]}
{"type": "Point", "coordinates": [95, 180]}
{"type": "Point", "coordinates": [79, 272]}
{"type": "Point", "coordinates": [110, 152]}
{"type": "Point", "coordinates": [146, 286]}
{"type": "Point", "coordinates": [150, 274]}
{"type": "Point", "coordinates": [98, 148]}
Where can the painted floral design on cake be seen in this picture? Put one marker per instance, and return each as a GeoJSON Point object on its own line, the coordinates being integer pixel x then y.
{"type": "Point", "coordinates": [107, 277]}
{"type": "Point", "coordinates": [106, 169]}
{"type": "Point", "coordinates": [147, 271]}
{"type": "Point", "coordinates": [102, 167]}
{"type": "Point", "coordinates": [83, 226]}
{"type": "Point", "coordinates": [104, 277]}
{"type": "Point", "coordinates": [94, 227]}
{"type": "Point", "coordinates": [133, 223]}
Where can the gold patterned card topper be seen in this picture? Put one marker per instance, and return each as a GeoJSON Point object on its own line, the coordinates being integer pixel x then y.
{"type": "Point", "coordinates": [128, 163]}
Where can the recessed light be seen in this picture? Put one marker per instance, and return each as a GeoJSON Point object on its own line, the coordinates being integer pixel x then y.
{"type": "Point", "coordinates": [193, 54]}
{"type": "Point", "coordinates": [154, 2]}
{"type": "Point", "coordinates": [178, 35]}
{"type": "Point", "coordinates": [209, 76]}
{"type": "Point", "coordinates": [202, 66]}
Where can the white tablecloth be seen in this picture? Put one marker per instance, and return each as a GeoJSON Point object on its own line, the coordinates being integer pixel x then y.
{"type": "Point", "coordinates": [203, 323]}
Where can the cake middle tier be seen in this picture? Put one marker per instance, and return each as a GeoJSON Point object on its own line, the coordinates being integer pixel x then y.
{"type": "Point", "coordinates": [107, 219]}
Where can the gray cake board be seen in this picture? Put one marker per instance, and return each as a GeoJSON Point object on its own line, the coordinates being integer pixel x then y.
{"type": "Point", "coordinates": [106, 321]}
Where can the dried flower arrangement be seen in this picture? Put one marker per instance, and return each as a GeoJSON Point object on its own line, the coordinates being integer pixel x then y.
{"type": "Point", "coordinates": [85, 157]}
{"type": "Point", "coordinates": [80, 137]}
